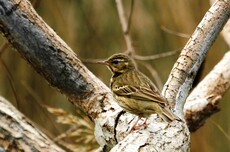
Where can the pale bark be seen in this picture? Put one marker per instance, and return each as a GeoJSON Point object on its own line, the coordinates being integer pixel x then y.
{"type": "Point", "coordinates": [204, 99]}
{"type": "Point", "coordinates": [51, 57]}
{"type": "Point", "coordinates": [226, 33]}
{"type": "Point", "coordinates": [184, 71]}
{"type": "Point", "coordinates": [58, 64]}
{"type": "Point", "coordinates": [17, 133]}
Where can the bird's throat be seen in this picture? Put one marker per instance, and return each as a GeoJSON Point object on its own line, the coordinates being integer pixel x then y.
{"type": "Point", "coordinates": [116, 74]}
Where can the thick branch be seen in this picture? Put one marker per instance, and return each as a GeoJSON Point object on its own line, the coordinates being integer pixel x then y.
{"type": "Point", "coordinates": [48, 53]}
{"type": "Point", "coordinates": [204, 99]}
{"type": "Point", "coordinates": [184, 71]}
{"type": "Point", "coordinates": [17, 133]}
{"type": "Point", "coordinates": [50, 56]}
{"type": "Point", "coordinates": [58, 64]}
{"type": "Point", "coordinates": [226, 30]}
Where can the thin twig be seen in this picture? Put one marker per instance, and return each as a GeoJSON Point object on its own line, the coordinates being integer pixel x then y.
{"type": "Point", "coordinates": [130, 16]}
{"type": "Point", "coordinates": [154, 74]}
{"type": "Point", "coordinates": [3, 47]}
{"type": "Point", "coordinates": [157, 56]}
{"type": "Point", "coordinates": [66, 133]}
{"type": "Point", "coordinates": [37, 98]}
{"type": "Point", "coordinates": [221, 129]}
{"type": "Point", "coordinates": [8, 73]}
{"type": "Point", "coordinates": [125, 26]}
{"type": "Point", "coordinates": [175, 33]}
{"type": "Point", "coordinates": [11, 81]}
{"type": "Point", "coordinates": [91, 61]}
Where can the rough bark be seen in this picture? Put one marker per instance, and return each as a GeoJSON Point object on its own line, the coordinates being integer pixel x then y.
{"type": "Point", "coordinates": [17, 133]}
{"type": "Point", "coordinates": [55, 61]}
{"type": "Point", "coordinates": [184, 71]}
{"type": "Point", "coordinates": [51, 57]}
{"type": "Point", "coordinates": [58, 64]}
{"type": "Point", "coordinates": [204, 99]}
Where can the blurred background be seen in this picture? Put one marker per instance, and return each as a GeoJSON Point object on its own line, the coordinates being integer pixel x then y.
{"type": "Point", "coordinates": [92, 29]}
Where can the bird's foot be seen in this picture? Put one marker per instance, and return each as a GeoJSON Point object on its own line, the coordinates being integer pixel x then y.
{"type": "Point", "coordinates": [136, 127]}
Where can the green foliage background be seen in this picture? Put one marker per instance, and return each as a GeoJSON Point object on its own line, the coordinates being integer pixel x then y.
{"type": "Point", "coordinates": [92, 29]}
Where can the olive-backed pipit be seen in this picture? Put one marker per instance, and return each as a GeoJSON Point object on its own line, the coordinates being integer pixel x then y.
{"type": "Point", "coordinates": [134, 91]}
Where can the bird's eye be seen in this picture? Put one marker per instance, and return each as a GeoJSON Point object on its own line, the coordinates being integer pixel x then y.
{"type": "Point", "coordinates": [115, 62]}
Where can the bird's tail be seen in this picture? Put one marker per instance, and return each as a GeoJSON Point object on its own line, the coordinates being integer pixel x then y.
{"type": "Point", "coordinates": [168, 116]}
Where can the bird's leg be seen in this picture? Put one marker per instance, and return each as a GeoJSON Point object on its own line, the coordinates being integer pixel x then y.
{"type": "Point", "coordinates": [134, 127]}
{"type": "Point", "coordinates": [144, 123]}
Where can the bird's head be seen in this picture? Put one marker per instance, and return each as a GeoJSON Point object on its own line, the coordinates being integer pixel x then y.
{"type": "Point", "coordinates": [119, 63]}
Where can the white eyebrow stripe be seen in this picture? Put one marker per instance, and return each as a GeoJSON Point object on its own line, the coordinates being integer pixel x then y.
{"type": "Point", "coordinates": [120, 59]}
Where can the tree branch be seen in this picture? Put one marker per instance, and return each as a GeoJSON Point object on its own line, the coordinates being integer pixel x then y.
{"type": "Point", "coordinates": [125, 25]}
{"type": "Point", "coordinates": [204, 99]}
{"type": "Point", "coordinates": [184, 71]}
{"type": "Point", "coordinates": [58, 64]}
{"type": "Point", "coordinates": [157, 56]}
{"type": "Point", "coordinates": [17, 133]}
{"type": "Point", "coordinates": [51, 57]}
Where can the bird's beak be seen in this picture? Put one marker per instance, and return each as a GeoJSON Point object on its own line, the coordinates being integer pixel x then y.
{"type": "Point", "coordinates": [103, 62]}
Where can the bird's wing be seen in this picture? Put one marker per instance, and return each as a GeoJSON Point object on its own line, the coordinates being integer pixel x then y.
{"type": "Point", "coordinates": [139, 93]}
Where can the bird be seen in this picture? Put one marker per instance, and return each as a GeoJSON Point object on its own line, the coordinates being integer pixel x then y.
{"type": "Point", "coordinates": [134, 91]}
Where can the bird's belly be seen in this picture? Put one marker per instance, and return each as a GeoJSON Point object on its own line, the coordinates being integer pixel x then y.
{"type": "Point", "coordinates": [135, 106]}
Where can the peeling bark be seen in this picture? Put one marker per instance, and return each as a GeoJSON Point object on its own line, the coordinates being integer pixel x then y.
{"type": "Point", "coordinates": [58, 64]}
{"type": "Point", "coordinates": [204, 99]}
{"type": "Point", "coordinates": [17, 133]}
{"type": "Point", "coordinates": [51, 57]}
{"type": "Point", "coordinates": [55, 61]}
{"type": "Point", "coordinates": [184, 70]}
